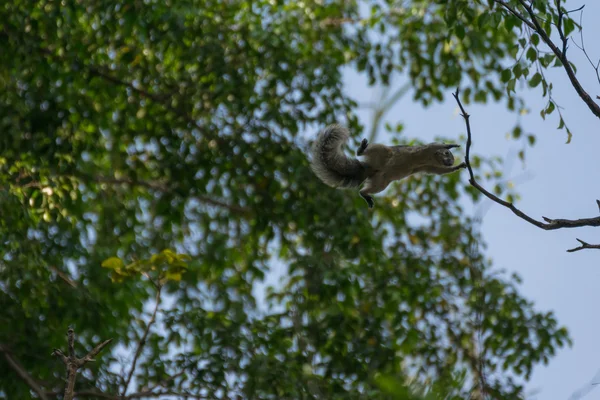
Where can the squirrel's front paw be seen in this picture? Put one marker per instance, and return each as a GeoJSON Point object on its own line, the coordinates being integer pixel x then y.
{"type": "Point", "coordinates": [459, 166]}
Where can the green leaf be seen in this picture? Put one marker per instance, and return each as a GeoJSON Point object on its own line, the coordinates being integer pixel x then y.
{"type": "Point", "coordinates": [517, 131]}
{"type": "Point", "coordinates": [113, 263]}
{"type": "Point", "coordinates": [568, 26]}
{"type": "Point", "coordinates": [535, 80]}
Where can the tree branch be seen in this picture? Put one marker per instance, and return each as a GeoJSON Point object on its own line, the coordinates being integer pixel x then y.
{"type": "Point", "coordinates": [584, 245]}
{"type": "Point", "coordinates": [142, 341]}
{"type": "Point", "coordinates": [20, 370]}
{"type": "Point", "coordinates": [550, 224]}
{"type": "Point", "coordinates": [534, 24]}
{"type": "Point", "coordinates": [73, 363]}
{"type": "Point", "coordinates": [595, 66]}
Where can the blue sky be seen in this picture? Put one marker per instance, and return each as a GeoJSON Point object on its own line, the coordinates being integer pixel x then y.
{"type": "Point", "coordinates": [563, 182]}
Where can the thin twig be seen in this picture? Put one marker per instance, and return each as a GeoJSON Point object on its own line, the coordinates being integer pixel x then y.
{"type": "Point", "coordinates": [550, 224]}
{"type": "Point", "coordinates": [582, 47]}
{"type": "Point", "coordinates": [584, 245]}
{"type": "Point", "coordinates": [142, 341]}
{"type": "Point", "coordinates": [63, 276]}
{"type": "Point", "coordinates": [90, 356]}
{"type": "Point", "coordinates": [71, 342]}
{"type": "Point", "coordinates": [20, 370]}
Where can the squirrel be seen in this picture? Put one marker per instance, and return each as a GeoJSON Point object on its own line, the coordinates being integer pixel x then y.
{"type": "Point", "coordinates": [382, 164]}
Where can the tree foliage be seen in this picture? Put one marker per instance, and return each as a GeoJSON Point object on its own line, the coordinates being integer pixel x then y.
{"type": "Point", "coordinates": [132, 127]}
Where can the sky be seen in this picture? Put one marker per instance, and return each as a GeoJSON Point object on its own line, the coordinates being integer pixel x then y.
{"type": "Point", "coordinates": [562, 182]}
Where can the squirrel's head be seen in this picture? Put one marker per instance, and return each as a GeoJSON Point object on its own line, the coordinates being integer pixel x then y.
{"type": "Point", "coordinates": [444, 157]}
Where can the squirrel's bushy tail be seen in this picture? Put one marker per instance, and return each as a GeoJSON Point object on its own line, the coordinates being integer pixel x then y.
{"type": "Point", "coordinates": [330, 163]}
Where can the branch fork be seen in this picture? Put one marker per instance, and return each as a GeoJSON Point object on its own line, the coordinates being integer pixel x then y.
{"type": "Point", "coordinates": [73, 363]}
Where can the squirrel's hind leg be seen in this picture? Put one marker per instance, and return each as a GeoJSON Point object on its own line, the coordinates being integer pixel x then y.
{"type": "Point", "coordinates": [375, 184]}
{"type": "Point", "coordinates": [368, 199]}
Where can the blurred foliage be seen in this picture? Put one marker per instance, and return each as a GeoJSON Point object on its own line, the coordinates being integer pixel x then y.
{"type": "Point", "coordinates": [160, 268]}
{"type": "Point", "coordinates": [130, 127]}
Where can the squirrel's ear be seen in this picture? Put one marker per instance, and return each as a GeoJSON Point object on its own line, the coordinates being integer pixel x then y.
{"type": "Point", "coordinates": [451, 145]}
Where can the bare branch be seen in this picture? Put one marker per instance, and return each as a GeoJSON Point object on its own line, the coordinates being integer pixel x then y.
{"type": "Point", "coordinates": [90, 356]}
{"type": "Point", "coordinates": [71, 342]}
{"type": "Point", "coordinates": [595, 66]}
{"type": "Point", "coordinates": [550, 224]}
{"type": "Point", "coordinates": [23, 374]}
{"type": "Point", "coordinates": [142, 341]}
{"type": "Point", "coordinates": [73, 363]}
{"type": "Point", "coordinates": [61, 355]}
{"type": "Point", "coordinates": [584, 245]}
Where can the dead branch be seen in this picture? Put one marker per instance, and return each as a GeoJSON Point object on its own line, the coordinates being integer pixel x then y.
{"type": "Point", "coordinates": [584, 245]}
{"type": "Point", "coordinates": [550, 224]}
{"type": "Point", "coordinates": [73, 363]}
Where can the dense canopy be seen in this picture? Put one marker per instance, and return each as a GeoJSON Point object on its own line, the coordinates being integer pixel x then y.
{"type": "Point", "coordinates": [131, 127]}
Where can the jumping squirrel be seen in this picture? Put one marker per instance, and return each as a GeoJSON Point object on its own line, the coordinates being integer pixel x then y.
{"type": "Point", "coordinates": [382, 164]}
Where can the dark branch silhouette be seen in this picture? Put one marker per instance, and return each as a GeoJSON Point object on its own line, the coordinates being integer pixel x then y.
{"type": "Point", "coordinates": [550, 224]}
{"type": "Point", "coordinates": [584, 245]}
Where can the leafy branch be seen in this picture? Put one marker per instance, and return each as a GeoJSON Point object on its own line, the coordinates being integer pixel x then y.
{"type": "Point", "coordinates": [528, 16]}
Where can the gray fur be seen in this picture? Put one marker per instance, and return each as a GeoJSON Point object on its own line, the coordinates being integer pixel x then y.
{"type": "Point", "coordinates": [382, 164]}
{"type": "Point", "coordinates": [329, 162]}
